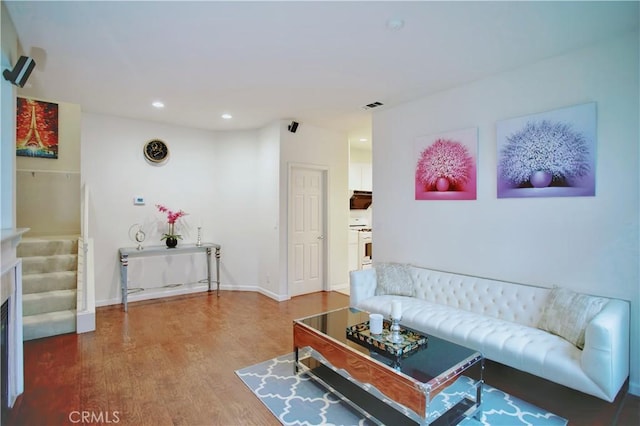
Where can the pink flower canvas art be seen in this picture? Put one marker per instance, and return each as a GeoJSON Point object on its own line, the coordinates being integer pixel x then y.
{"type": "Point", "coordinates": [446, 166]}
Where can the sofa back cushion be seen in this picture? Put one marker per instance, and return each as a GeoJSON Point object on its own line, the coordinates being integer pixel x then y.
{"type": "Point", "coordinates": [568, 313]}
{"type": "Point", "coordinates": [394, 279]}
{"type": "Point", "coordinates": [513, 302]}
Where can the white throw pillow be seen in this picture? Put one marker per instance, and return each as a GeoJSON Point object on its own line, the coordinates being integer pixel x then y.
{"type": "Point", "coordinates": [568, 313]}
{"type": "Point", "coordinates": [393, 279]}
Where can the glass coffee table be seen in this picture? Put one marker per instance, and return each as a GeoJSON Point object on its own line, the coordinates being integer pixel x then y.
{"type": "Point", "coordinates": [420, 380]}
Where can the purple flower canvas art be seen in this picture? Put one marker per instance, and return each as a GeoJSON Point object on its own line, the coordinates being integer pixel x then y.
{"type": "Point", "coordinates": [550, 154]}
{"type": "Point", "coordinates": [446, 166]}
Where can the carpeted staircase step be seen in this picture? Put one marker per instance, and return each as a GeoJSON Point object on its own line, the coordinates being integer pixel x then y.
{"type": "Point", "coordinates": [46, 247]}
{"type": "Point", "coordinates": [48, 281]}
{"type": "Point", "coordinates": [48, 301]}
{"type": "Point", "coordinates": [49, 324]}
{"type": "Point", "coordinates": [55, 263]}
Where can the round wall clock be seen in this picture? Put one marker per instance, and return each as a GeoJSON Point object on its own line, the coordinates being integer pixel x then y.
{"type": "Point", "coordinates": [156, 151]}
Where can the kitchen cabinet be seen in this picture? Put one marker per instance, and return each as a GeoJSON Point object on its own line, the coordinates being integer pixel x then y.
{"type": "Point", "coordinates": [360, 176]}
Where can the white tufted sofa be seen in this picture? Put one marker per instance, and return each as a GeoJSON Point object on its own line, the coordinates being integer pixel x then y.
{"type": "Point", "coordinates": [500, 320]}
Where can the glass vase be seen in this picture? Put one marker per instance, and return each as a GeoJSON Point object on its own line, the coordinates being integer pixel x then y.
{"type": "Point", "coordinates": [171, 240]}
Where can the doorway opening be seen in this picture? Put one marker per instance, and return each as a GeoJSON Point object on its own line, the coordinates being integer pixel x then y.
{"type": "Point", "coordinates": [307, 226]}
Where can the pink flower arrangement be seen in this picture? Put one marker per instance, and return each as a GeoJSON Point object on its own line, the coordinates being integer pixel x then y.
{"type": "Point", "coordinates": [171, 215]}
{"type": "Point", "coordinates": [444, 159]}
{"type": "Point", "coordinates": [171, 219]}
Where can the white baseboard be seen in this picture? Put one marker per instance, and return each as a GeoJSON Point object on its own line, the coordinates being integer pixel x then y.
{"type": "Point", "coordinates": [85, 322]}
{"type": "Point", "coordinates": [167, 292]}
{"type": "Point", "coordinates": [157, 293]}
{"type": "Point", "coordinates": [107, 302]}
{"type": "Point", "coordinates": [176, 291]}
{"type": "Point", "coordinates": [269, 294]}
{"type": "Point", "coordinates": [277, 297]}
{"type": "Point", "coordinates": [344, 289]}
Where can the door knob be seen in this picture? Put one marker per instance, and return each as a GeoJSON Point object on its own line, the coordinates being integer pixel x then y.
{"type": "Point", "coordinates": [321, 237]}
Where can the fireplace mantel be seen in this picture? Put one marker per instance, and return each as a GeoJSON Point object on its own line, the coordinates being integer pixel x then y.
{"type": "Point", "coordinates": [10, 238]}
{"type": "Point", "coordinates": [13, 233]}
{"type": "Point", "coordinates": [12, 291]}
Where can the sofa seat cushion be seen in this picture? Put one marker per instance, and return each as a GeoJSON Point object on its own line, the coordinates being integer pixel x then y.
{"type": "Point", "coordinates": [518, 346]}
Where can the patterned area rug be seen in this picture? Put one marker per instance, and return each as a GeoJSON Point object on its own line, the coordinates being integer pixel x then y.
{"type": "Point", "coordinates": [299, 400]}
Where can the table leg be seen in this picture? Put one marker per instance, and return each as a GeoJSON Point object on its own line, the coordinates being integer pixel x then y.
{"type": "Point", "coordinates": [218, 271]}
{"type": "Point", "coordinates": [124, 262]}
{"type": "Point", "coordinates": [480, 384]}
{"type": "Point", "coordinates": [209, 267]}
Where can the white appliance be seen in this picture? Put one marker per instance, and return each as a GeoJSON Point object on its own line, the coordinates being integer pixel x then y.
{"type": "Point", "coordinates": [360, 244]}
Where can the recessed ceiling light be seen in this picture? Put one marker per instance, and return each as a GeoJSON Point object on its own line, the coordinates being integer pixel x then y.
{"type": "Point", "coordinates": [395, 24]}
{"type": "Point", "coordinates": [158, 104]}
{"type": "Point", "coordinates": [227, 116]}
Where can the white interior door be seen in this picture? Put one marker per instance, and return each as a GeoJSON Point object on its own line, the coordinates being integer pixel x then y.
{"type": "Point", "coordinates": [306, 230]}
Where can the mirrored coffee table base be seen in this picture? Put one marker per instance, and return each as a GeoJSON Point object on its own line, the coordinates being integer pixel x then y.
{"type": "Point", "coordinates": [372, 384]}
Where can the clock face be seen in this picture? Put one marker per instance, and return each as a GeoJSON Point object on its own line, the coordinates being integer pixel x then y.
{"type": "Point", "coordinates": [156, 151]}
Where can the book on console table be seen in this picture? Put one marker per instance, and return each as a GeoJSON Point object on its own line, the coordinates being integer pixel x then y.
{"type": "Point", "coordinates": [412, 341]}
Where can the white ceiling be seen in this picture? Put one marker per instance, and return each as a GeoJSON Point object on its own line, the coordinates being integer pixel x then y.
{"type": "Point", "coordinates": [314, 62]}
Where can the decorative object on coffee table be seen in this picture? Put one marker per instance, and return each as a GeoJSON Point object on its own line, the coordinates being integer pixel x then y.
{"type": "Point", "coordinates": [375, 323]}
{"type": "Point", "coordinates": [410, 340]}
{"type": "Point", "coordinates": [396, 316]}
{"type": "Point", "coordinates": [171, 237]}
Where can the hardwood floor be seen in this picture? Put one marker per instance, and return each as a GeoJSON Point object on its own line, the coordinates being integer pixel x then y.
{"type": "Point", "coordinates": [172, 362]}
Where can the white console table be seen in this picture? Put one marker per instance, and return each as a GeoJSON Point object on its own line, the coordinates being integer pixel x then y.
{"type": "Point", "coordinates": [127, 252]}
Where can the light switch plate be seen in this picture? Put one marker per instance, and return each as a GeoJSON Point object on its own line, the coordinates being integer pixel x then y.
{"type": "Point", "coordinates": [138, 201]}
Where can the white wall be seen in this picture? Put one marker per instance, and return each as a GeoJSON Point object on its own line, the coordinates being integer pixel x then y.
{"type": "Point", "coordinates": [7, 122]}
{"type": "Point", "coordinates": [215, 177]}
{"type": "Point", "coordinates": [589, 244]}
{"type": "Point", "coordinates": [268, 212]}
{"type": "Point", "coordinates": [48, 203]}
{"type": "Point", "coordinates": [11, 267]}
{"type": "Point", "coordinates": [359, 155]}
{"type": "Point", "coordinates": [48, 190]}
{"type": "Point", "coordinates": [230, 183]}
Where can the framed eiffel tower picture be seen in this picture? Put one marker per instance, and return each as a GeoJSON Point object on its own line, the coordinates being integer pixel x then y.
{"type": "Point", "coordinates": [36, 128]}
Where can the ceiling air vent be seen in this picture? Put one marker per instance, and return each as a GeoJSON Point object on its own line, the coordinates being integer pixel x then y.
{"type": "Point", "coordinates": [372, 105]}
